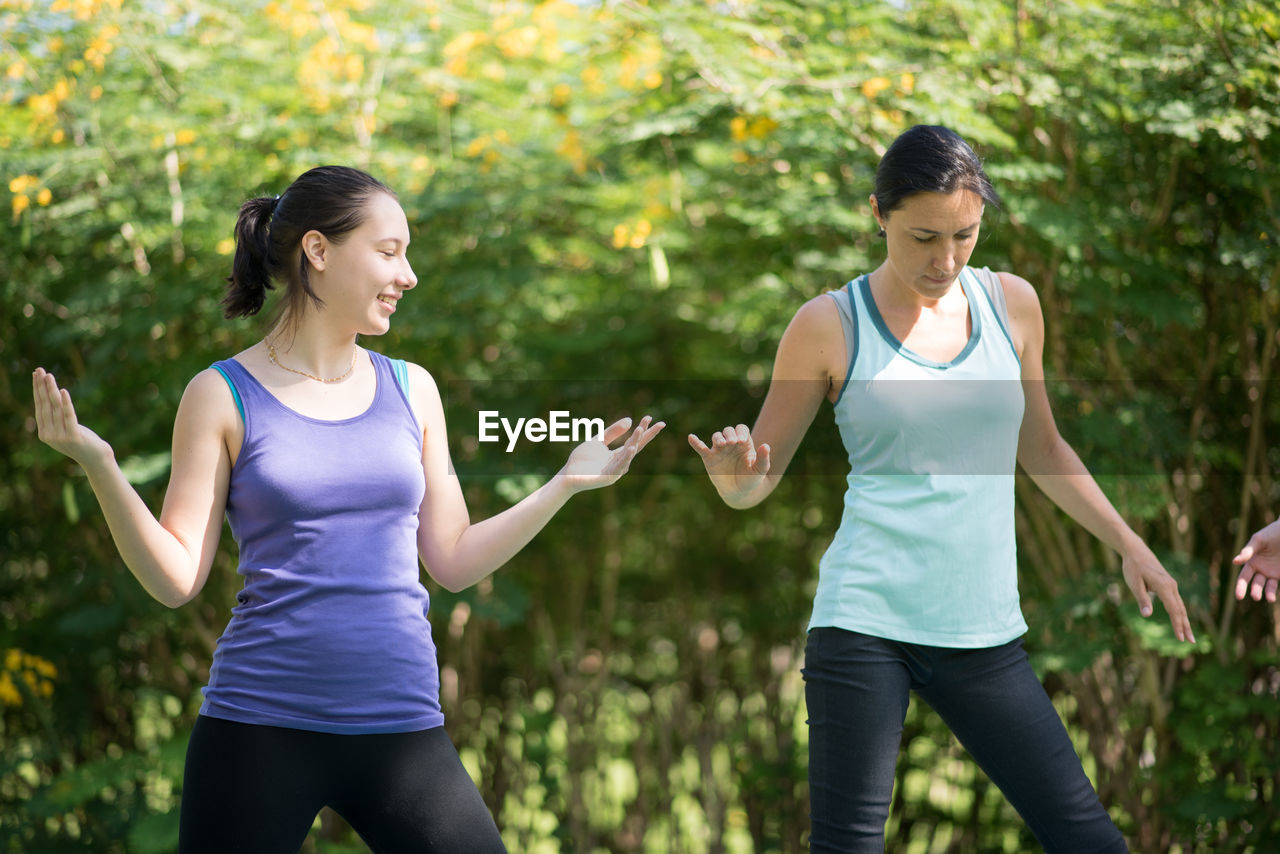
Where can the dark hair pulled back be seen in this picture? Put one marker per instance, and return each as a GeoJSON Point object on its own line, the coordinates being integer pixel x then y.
{"type": "Point", "coordinates": [929, 159]}
{"type": "Point", "coordinates": [269, 231]}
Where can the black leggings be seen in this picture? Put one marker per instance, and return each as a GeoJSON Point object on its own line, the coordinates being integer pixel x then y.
{"type": "Point", "coordinates": [257, 790]}
{"type": "Point", "coordinates": [857, 688]}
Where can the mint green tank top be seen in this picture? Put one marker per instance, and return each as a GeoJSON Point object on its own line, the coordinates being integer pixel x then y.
{"type": "Point", "coordinates": [925, 551]}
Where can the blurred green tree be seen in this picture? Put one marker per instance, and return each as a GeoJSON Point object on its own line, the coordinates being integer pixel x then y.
{"type": "Point", "coordinates": [620, 205]}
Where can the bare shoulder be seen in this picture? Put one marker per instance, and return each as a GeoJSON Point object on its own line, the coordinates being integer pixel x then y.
{"type": "Point", "coordinates": [208, 409]}
{"type": "Point", "coordinates": [816, 322]}
{"type": "Point", "coordinates": [421, 381]}
{"type": "Point", "coordinates": [1025, 315]}
{"type": "Point", "coordinates": [1020, 295]}
{"type": "Point", "coordinates": [813, 345]}
{"type": "Point", "coordinates": [819, 310]}
{"type": "Point", "coordinates": [210, 393]}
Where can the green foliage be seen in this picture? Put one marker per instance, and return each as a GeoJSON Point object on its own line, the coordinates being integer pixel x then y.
{"type": "Point", "coordinates": [623, 204]}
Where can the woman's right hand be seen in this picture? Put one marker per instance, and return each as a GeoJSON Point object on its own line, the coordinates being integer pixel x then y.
{"type": "Point", "coordinates": [1259, 563]}
{"type": "Point", "coordinates": [736, 466]}
{"type": "Point", "coordinates": [57, 425]}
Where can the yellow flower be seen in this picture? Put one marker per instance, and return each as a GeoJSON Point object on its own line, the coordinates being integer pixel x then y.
{"type": "Point", "coordinates": [20, 203]}
{"type": "Point", "coordinates": [462, 44]}
{"type": "Point", "coordinates": [44, 196]}
{"type": "Point", "coordinates": [572, 150]}
{"type": "Point", "coordinates": [519, 43]}
{"type": "Point", "coordinates": [641, 234]}
{"type": "Point", "coordinates": [36, 675]}
{"type": "Point", "coordinates": [354, 67]}
{"type": "Point", "coordinates": [9, 695]}
{"type": "Point", "coordinates": [762, 127]}
{"type": "Point", "coordinates": [875, 86]}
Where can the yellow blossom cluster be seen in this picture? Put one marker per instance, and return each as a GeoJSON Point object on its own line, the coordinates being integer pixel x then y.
{"type": "Point", "coordinates": [875, 85]}
{"type": "Point", "coordinates": [336, 60]}
{"type": "Point", "coordinates": [36, 673]}
{"type": "Point", "coordinates": [459, 48]}
{"type": "Point", "coordinates": [24, 188]}
{"type": "Point", "coordinates": [517, 42]}
{"type": "Point", "coordinates": [635, 236]}
{"type": "Point", "coordinates": [742, 128]}
{"type": "Point", "coordinates": [516, 34]}
{"type": "Point", "coordinates": [572, 149]}
{"type": "Point", "coordinates": [84, 10]}
{"type": "Point", "coordinates": [295, 17]}
{"type": "Point", "coordinates": [638, 66]}
{"type": "Point", "coordinates": [100, 46]}
{"type": "Point", "coordinates": [485, 147]}
{"type": "Point", "coordinates": [186, 136]}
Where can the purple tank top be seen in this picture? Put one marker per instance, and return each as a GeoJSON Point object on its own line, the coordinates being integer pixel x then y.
{"type": "Point", "coordinates": [330, 632]}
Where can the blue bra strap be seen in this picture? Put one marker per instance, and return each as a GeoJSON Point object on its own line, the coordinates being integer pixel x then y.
{"type": "Point", "coordinates": [232, 386]}
{"type": "Point", "coordinates": [402, 374]}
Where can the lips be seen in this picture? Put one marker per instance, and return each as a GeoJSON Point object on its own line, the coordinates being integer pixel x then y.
{"type": "Point", "coordinates": [389, 302]}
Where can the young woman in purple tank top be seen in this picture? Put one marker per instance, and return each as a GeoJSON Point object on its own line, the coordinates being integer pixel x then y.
{"type": "Point", "coordinates": [929, 198]}
{"type": "Point", "coordinates": [262, 762]}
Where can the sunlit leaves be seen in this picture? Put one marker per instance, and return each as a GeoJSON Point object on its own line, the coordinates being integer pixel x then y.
{"type": "Point", "coordinates": [647, 189]}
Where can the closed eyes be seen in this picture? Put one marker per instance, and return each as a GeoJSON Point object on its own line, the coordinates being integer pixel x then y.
{"type": "Point", "coordinates": [930, 238]}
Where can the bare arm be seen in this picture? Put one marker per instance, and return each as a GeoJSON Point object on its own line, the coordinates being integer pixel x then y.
{"type": "Point", "coordinates": [458, 553]}
{"type": "Point", "coordinates": [171, 555]}
{"type": "Point", "coordinates": [1055, 467]}
{"type": "Point", "coordinates": [745, 466]}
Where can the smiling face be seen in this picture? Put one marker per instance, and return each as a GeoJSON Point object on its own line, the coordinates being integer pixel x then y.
{"type": "Point", "coordinates": [362, 277]}
{"type": "Point", "coordinates": [930, 238]}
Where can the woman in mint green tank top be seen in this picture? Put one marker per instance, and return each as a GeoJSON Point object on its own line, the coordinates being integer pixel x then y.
{"type": "Point", "coordinates": [935, 373]}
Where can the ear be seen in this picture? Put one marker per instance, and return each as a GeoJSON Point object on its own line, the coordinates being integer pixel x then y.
{"type": "Point", "coordinates": [314, 247]}
{"type": "Point", "coordinates": [875, 210]}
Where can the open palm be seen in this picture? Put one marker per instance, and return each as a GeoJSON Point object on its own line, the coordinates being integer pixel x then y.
{"type": "Point", "coordinates": [593, 464]}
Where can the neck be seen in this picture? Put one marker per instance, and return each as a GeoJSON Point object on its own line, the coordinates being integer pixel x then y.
{"type": "Point", "coordinates": [893, 293]}
{"type": "Point", "coordinates": [309, 351]}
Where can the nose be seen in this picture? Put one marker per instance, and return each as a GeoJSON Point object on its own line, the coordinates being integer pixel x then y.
{"type": "Point", "coordinates": [945, 263]}
{"type": "Point", "coordinates": [407, 279]}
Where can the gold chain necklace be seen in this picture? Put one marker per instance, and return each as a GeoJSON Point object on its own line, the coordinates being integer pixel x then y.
{"type": "Point", "coordinates": [271, 357]}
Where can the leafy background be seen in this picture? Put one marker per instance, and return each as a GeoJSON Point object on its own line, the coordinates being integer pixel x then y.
{"type": "Point", "coordinates": [639, 195]}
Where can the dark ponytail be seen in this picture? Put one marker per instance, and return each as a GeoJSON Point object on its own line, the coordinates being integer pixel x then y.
{"type": "Point", "coordinates": [269, 231]}
{"type": "Point", "coordinates": [929, 159]}
{"type": "Point", "coordinates": [250, 277]}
